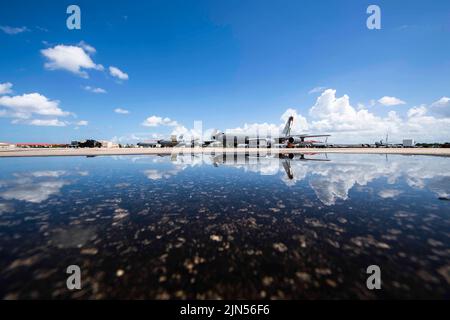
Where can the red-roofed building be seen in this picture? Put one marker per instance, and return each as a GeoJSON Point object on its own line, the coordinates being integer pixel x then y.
{"type": "Point", "coordinates": [42, 145]}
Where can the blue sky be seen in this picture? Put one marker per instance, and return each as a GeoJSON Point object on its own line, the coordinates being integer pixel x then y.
{"type": "Point", "coordinates": [231, 64]}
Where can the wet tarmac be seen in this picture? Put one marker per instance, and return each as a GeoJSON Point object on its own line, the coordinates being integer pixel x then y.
{"type": "Point", "coordinates": [225, 227]}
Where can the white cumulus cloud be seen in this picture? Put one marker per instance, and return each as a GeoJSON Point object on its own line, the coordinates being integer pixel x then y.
{"type": "Point", "coordinates": [88, 48]}
{"type": "Point", "coordinates": [47, 122]}
{"type": "Point", "coordinates": [94, 90]}
{"type": "Point", "coordinates": [70, 58]}
{"type": "Point", "coordinates": [24, 106]}
{"type": "Point", "coordinates": [155, 121]}
{"type": "Point", "coordinates": [5, 88]}
{"type": "Point", "coordinates": [178, 130]}
{"type": "Point", "coordinates": [419, 111]}
{"type": "Point", "coordinates": [335, 115]}
{"type": "Point", "coordinates": [13, 30]}
{"type": "Point", "coordinates": [121, 111]}
{"type": "Point", "coordinates": [82, 123]}
{"type": "Point", "coordinates": [116, 72]}
{"type": "Point", "coordinates": [442, 106]}
{"type": "Point", "coordinates": [390, 101]}
{"type": "Point", "coordinates": [316, 90]}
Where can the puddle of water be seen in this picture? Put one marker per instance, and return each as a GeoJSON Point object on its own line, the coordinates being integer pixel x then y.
{"type": "Point", "coordinates": [234, 226]}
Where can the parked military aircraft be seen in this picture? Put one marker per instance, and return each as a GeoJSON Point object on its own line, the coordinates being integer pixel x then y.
{"type": "Point", "coordinates": [160, 143]}
{"type": "Point", "coordinates": [286, 140]}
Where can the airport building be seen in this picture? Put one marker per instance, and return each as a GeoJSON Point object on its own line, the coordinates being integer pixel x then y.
{"type": "Point", "coordinates": [6, 145]}
{"type": "Point", "coordinates": [108, 144]}
{"type": "Point", "coordinates": [91, 143]}
{"type": "Point", "coordinates": [409, 143]}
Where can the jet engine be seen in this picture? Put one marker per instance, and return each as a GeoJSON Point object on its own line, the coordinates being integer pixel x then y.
{"type": "Point", "coordinates": [295, 140]}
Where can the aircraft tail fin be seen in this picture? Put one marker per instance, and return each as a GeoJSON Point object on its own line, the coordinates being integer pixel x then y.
{"type": "Point", "coordinates": [214, 134]}
{"type": "Point", "coordinates": [287, 127]}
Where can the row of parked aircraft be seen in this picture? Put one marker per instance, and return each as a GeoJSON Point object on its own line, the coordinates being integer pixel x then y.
{"type": "Point", "coordinates": [244, 140]}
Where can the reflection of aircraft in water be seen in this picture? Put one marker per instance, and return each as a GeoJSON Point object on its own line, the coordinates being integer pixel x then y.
{"type": "Point", "coordinates": [301, 156]}
{"type": "Point", "coordinates": [268, 164]}
{"type": "Point", "coordinates": [296, 157]}
{"type": "Point", "coordinates": [331, 180]}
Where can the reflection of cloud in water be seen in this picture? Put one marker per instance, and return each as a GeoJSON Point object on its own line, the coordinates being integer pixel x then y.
{"type": "Point", "coordinates": [190, 160]}
{"type": "Point", "coordinates": [389, 193]}
{"type": "Point", "coordinates": [328, 190]}
{"type": "Point", "coordinates": [179, 163]}
{"type": "Point", "coordinates": [6, 207]}
{"type": "Point", "coordinates": [263, 165]}
{"type": "Point", "coordinates": [266, 168]}
{"type": "Point", "coordinates": [297, 172]}
{"type": "Point", "coordinates": [333, 180]}
{"type": "Point", "coordinates": [440, 186]}
{"type": "Point", "coordinates": [337, 178]}
{"type": "Point", "coordinates": [34, 186]}
{"type": "Point", "coordinates": [30, 191]}
{"type": "Point", "coordinates": [330, 180]}
{"type": "Point", "coordinates": [48, 174]}
{"type": "Point", "coordinates": [156, 174]}
{"type": "Point", "coordinates": [72, 237]}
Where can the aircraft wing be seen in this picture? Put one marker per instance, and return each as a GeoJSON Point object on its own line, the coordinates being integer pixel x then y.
{"type": "Point", "coordinates": [310, 159]}
{"type": "Point", "coordinates": [256, 139]}
{"type": "Point", "coordinates": [302, 136]}
{"type": "Point", "coordinates": [310, 135]}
